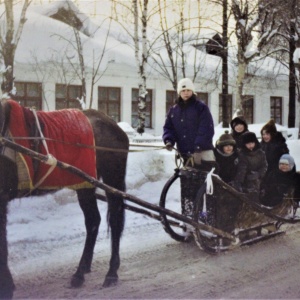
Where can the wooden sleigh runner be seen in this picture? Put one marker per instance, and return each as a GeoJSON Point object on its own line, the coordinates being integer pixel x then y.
{"type": "Point", "coordinates": [230, 218]}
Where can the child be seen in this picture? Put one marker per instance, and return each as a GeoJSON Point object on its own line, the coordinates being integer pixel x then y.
{"type": "Point", "coordinates": [252, 166]}
{"type": "Point", "coordinates": [280, 182]}
{"type": "Point", "coordinates": [273, 144]}
{"type": "Point", "coordinates": [238, 127]}
{"type": "Point", "coordinates": [226, 157]}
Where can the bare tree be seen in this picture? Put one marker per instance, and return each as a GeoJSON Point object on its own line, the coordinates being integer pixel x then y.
{"type": "Point", "coordinates": [285, 45]}
{"type": "Point", "coordinates": [141, 58]}
{"type": "Point", "coordinates": [9, 39]}
{"type": "Point", "coordinates": [251, 16]}
{"type": "Point", "coordinates": [176, 40]}
{"type": "Point", "coordinates": [75, 42]}
{"type": "Point", "coordinates": [136, 37]}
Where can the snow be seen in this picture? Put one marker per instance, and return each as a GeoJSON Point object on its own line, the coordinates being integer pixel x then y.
{"type": "Point", "coordinates": [54, 40]}
{"type": "Point", "coordinates": [47, 217]}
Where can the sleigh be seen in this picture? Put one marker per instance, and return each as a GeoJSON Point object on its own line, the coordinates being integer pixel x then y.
{"type": "Point", "coordinates": [222, 218]}
{"type": "Point", "coordinates": [223, 208]}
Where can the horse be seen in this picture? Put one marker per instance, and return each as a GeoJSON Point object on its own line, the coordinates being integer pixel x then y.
{"type": "Point", "coordinates": [110, 166]}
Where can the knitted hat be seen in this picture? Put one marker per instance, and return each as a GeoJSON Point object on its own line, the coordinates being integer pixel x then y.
{"type": "Point", "coordinates": [287, 159]}
{"type": "Point", "coordinates": [185, 84]}
{"type": "Point", "coordinates": [226, 139]}
{"type": "Point", "coordinates": [249, 137]}
{"type": "Point", "coordinates": [269, 127]}
{"type": "Point", "coordinates": [238, 120]}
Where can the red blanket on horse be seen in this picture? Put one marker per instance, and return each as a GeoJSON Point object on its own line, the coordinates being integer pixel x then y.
{"type": "Point", "coordinates": [67, 129]}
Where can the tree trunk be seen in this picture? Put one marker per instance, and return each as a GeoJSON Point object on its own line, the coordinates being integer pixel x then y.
{"type": "Point", "coordinates": [239, 88]}
{"type": "Point", "coordinates": [9, 44]}
{"type": "Point", "coordinates": [292, 71]}
{"type": "Point", "coordinates": [225, 112]}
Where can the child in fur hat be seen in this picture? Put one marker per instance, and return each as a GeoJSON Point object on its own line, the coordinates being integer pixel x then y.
{"type": "Point", "coordinates": [226, 156]}
{"type": "Point", "coordinates": [252, 166]}
{"type": "Point", "coordinates": [273, 144]}
{"type": "Point", "coordinates": [238, 127]}
{"type": "Point", "coordinates": [280, 183]}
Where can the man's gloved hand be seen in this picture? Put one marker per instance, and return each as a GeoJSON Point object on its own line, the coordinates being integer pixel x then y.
{"type": "Point", "coordinates": [197, 158]}
{"type": "Point", "coordinates": [169, 146]}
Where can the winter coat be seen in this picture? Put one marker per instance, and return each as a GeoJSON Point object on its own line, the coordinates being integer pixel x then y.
{"type": "Point", "coordinates": [297, 187]}
{"type": "Point", "coordinates": [189, 124]}
{"type": "Point", "coordinates": [238, 138]}
{"type": "Point", "coordinates": [252, 167]}
{"type": "Point", "coordinates": [274, 149]}
{"type": "Point", "coordinates": [227, 164]}
{"type": "Point", "coordinates": [278, 184]}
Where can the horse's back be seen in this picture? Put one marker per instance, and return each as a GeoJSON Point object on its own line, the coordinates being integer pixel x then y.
{"type": "Point", "coordinates": [112, 146]}
{"type": "Point", "coordinates": [106, 130]}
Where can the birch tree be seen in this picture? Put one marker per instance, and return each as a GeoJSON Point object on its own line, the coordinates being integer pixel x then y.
{"type": "Point", "coordinates": [9, 38]}
{"type": "Point", "coordinates": [250, 16]}
{"type": "Point", "coordinates": [141, 57]}
{"type": "Point", "coordinates": [137, 31]}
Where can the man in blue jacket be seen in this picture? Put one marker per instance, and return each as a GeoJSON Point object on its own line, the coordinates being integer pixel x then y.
{"type": "Point", "coordinates": [189, 124]}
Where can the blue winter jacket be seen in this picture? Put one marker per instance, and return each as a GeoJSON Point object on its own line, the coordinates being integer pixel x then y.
{"type": "Point", "coordinates": [189, 124]}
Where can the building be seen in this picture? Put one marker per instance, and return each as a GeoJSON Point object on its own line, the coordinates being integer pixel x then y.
{"type": "Point", "coordinates": [46, 81]}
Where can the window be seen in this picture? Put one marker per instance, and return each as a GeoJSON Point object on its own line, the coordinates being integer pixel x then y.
{"type": "Point", "coordinates": [203, 97]}
{"type": "Point", "coordinates": [171, 99]}
{"type": "Point", "coordinates": [229, 106]}
{"type": "Point", "coordinates": [134, 109]}
{"type": "Point", "coordinates": [29, 94]}
{"type": "Point", "coordinates": [276, 109]}
{"type": "Point", "coordinates": [248, 108]}
{"type": "Point", "coordinates": [66, 96]}
{"type": "Point", "coordinates": [109, 101]}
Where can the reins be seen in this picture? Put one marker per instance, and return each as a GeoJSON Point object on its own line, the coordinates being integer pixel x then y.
{"type": "Point", "coordinates": [93, 147]}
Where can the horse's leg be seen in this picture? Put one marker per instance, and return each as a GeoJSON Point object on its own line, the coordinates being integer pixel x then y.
{"type": "Point", "coordinates": [88, 204]}
{"type": "Point", "coordinates": [113, 174]}
{"type": "Point", "coordinates": [116, 222]}
{"type": "Point", "coordinates": [6, 281]}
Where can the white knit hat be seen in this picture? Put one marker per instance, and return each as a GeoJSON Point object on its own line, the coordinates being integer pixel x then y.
{"type": "Point", "coordinates": [287, 159]}
{"type": "Point", "coordinates": [185, 84]}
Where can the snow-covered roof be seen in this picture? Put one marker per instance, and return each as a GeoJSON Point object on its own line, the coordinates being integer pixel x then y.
{"type": "Point", "coordinates": [46, 39]}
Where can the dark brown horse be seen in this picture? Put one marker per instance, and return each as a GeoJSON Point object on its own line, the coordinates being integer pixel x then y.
{"type": "Point", "coordinates": [110, 166]}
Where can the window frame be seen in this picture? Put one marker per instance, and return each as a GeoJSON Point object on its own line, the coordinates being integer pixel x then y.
{"type": "Point", "coordinates": [67, 101]}
{"type": "Point", "coordinates": [248, 108]}
{"type": "Point", "coordinates": [275, 108]}
{"type": "Point", "coordinates": [134, 107]}
{"type": "Point", "coordinates": [26, 99]}
{"type": "Point", "coordinates": [104, 104]}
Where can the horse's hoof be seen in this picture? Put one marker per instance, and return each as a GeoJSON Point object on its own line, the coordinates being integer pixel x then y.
{"type": "Point", "coordinates": [77, 281]}
{"type": "Point", "coordinates": [110, 281]}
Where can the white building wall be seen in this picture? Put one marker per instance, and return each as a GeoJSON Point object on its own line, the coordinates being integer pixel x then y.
{"type": "Point", "coordinates": [124, 77]}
